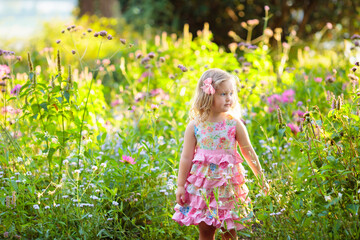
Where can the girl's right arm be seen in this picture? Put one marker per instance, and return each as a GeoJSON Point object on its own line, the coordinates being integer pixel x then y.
{"type": "Point", "coordinates": [185, 162]}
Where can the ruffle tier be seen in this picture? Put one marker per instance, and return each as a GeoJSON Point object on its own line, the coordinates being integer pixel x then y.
{"type": "Point", "coordinates": [215, 191]}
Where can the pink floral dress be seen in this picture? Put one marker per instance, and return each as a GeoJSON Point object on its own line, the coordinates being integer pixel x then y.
{"type": "Point", "coordinates": [215, 188]}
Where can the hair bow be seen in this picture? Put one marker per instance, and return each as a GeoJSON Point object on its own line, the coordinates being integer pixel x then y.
{"type": "Point", "coordinates": [207, 87]}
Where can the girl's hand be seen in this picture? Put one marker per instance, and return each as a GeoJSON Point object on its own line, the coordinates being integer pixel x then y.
{"type": "Point", "coordinates": [180, 196]}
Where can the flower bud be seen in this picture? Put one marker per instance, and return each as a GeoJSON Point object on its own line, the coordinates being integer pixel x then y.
{"type": "Point", "coordinates": [73, 51]}
{"type": "Point", "coordinates": [30, 63]}
{"type": "Point", "coordinates": [58, 62]}
{"type": "Point", "coordinates": [123, 41]}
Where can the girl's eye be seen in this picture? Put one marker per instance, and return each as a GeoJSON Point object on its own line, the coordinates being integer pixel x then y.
{"type": "Point", "coordinates": [231, 94]}
{"type": "Point", "coordinates": [222, 94]}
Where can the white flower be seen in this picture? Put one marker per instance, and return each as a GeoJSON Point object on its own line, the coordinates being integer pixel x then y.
{"type": "Point", "coordinates": [90, 215]}
{"type": "Point", "coordinates": [327, 198]}
{"type": "Point", "coordinates": [103, 165]}
{"type": "Point", "coordinates": [28, 173]}
{"type": "Point", "coordinates": [46, 207]}
{"type": "Point", "coordinates": [115, 203]}
{"type": "Point", "coordinates": [65, 161]}
{"type": "Point", "coordinates": [36, 206]}
{"type": "Point", "coordinates": [77, 171]}
{"type": "Point", "coordinates": [94, 168]}
{"type": "Point", "coordinates": [340, 195]}
{"type": "Point", "coordinates": [19, 159]}
{"type": "Point", "coordinates": [94, 197]}
{"type": "Point", "coordinates": [65, 196]}
{"type": "Point", "coordinates": [109, 219]}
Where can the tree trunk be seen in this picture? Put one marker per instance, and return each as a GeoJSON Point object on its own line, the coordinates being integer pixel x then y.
{"type": "Point", "coordinates": [102, 8]}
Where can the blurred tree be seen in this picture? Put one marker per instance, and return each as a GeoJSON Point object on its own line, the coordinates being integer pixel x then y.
{"type": "Point", "coordinates": [103, 8]}
{"type": "Point", "coordinates": [304, 16]}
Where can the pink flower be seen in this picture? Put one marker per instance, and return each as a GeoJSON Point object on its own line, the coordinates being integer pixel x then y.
{"type": "Point", "coordinates": [294, 128]}
{"type": "Point", "coordinates": [318, 79]}
{"type": "Point", "coordinates": [231, 132]}
{"type": "Point", "coordinates": [298, 113]}
{"type": "Point", "coordinates": [288, 96]}
{"type": "Point", "coordinates": [4, 69]}
{"type": "Point", "coordinates": [115, 102]}
{"type": "Point", "coordinates": [127, 159]}
{"type": "Point", "coordinates": [274, 99]}
{"type": "Point", "coordinates": [154, 106]}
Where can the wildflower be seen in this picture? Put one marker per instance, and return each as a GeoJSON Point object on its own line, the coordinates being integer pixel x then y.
{"type": "Point", "coordinates": [109, 37]}
{"type": "Point", "coordinates": [123, 41]}
{"type": "Point", "coordinates": [115, 203]}
{"type": "Point", "coordinates": [318, 79]}
{"type": "Point", "coordinates": [355, 36]}
{"type": "Point", "coordinates": [183, 68]}
{"type": "Point", "coordinates": [154, 106]}
{"type": "Point", "coordinates": [65, 162]}
{"type": "Point", "coordinates": [267, 8]}
{"type": "Point", "coordinates": [329, 25]}
{"type": "Point", "coordinates": [327, 198]}
{"type": "Point", "coordinates": [357, 64]}
{"type": "Point", "coordinates": [94, 168]}
{"type": "Point", "coordinates": [6, 234]}
{"type": "Point", "coordinates": [96, 34]}
{"type": "Point", "coordinates": [68, 28]}
{"type": "Point", "coordinates": [127, 159]}
{"type": "Point", "coordinates": [89, 30]}
{"type": "Point", "coordinates": [73, 51]}
{"type": "Point", "coordinates": [145, 60]}
{"type": "Point", "coordinates": [36, 206]}
{"type": "Point", "coordinates": [353, 77]}
{"type": "Point", "coordinates": [340, 195]}
{"type": "Point", "coordinates": [103, 165]}
{"type": "Point", "coordinates": [109, 219]}
{"type": "Point", "coordinates": [77, 171]}
{"type": "Point", "coordinates": [58, 41]}
{"type": "Point", "coordinates": [103, 33]}
{"type": "Point", "coordinates": [90, 215]}
{"type": "Point", "coordinates": [162, 59]}
{"type": "Point", "coordinates": [294, 128]}
{"type": "Point", "coordinates": [253, 22]}
{"type": "Point", "coordinates": [4, 69]}
{"type": "Point", "coordinates": [288, 96]}
{"type": "Point", "coordinates": [151, 55]}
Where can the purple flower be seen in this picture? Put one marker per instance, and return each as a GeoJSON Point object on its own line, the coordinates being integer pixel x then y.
{"type": "Point", "coordinates": [16, 89]}
{"type": "Point", "coordinates": [123, 41]}
{"type": "Point", "coordinates": [145, 60]}
{"type": "Point", "coordinates": [109, 37]}
{"type": "Point", "coordinates": [151, 55]}
{"type": "Point", "coordinates": [300, 103]}
{"type": "Point", "coordinates": [58, 41]}
{"type": "Point", "coordinates": [73, 51]}
{"type": "Point", "coordinates": [103, 33]}
{"type": "Point", "coordinates": [355, 36]}
{"type": "Point", "coordinates": [274, 99]}
{"type": "Point", "coordinates": [183, 68]}
{"type": "Point", "coordinates": [96, 34]}
{"type": "Point", "coordinates": [89, 30]}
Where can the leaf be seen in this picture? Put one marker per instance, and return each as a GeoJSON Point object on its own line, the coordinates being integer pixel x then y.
{"type": "Point", "coordinates": [353, 208]}
{"type": "Point", "coordinates": [51, 153]}
{"type": "Point", "coordinates": [103, 137]}
{"type": "Point", "coordinates": [34, 116]}
{"type": "Point", "coordinates": [323, 213]}
{"type": "Point", "coordinates": [44, 106]}
{"type": "Point", "coordinates": [67, 96]}
{"type": "Point", "coordinates": [60, 99]}
{"type": "Point", "coordinates": [35, 108]}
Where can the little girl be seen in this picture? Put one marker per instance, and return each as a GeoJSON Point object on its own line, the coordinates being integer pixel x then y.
{"type": "Point", "coordinates": [211, 189]}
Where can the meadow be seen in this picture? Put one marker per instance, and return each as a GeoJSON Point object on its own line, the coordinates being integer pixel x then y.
{"type": "Point", "coordinates": [93, 117]}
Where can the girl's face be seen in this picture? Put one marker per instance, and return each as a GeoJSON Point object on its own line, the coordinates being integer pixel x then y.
{"type": "Point", "coordinates": [223, 97]}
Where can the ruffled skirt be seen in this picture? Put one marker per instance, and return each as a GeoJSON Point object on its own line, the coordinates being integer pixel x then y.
{"type": "Point", "coordinates": [215, 191]}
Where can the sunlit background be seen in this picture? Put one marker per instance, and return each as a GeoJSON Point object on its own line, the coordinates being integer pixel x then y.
{"type": "Point", "coordinates": [23, 18]}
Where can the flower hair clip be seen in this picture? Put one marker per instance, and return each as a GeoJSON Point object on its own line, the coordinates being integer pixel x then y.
{"type": "Point", "coordinates": [207, 87]}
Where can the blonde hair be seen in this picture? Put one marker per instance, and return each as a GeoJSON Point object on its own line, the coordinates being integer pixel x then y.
{"type": "Point", "coordinates": [202, 102]}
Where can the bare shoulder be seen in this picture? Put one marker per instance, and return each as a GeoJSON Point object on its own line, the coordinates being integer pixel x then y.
{"type": "Point", "coordinates": [241, 132]}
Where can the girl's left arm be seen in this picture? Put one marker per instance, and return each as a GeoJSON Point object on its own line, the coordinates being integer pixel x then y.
{"type": "Point", "coordinates": [242, 137]}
